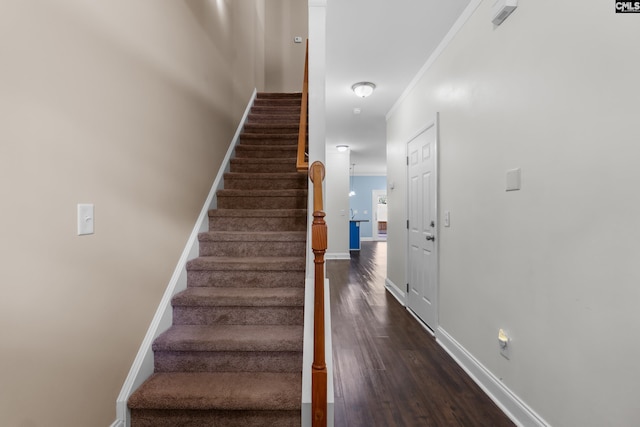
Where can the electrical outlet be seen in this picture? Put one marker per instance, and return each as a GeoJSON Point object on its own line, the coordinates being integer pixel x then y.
{"type": "Point", "coordinates": [504, 343]}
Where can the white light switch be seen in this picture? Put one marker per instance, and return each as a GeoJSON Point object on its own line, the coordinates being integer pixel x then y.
{"type": "Point", "coordinates": [297, 39]}
{"type": "Point", "coordinates": [447, 219]}
{"type": "Point", "coordinates": [513, 179]}
{"type": "Point", "coordinates": [85, 219]}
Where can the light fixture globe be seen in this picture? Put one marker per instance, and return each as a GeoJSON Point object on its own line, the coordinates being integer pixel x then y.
{"type": "Point", "coordinates": [363, 89]}
{"type": "Point", "coordinates": [342, 148]}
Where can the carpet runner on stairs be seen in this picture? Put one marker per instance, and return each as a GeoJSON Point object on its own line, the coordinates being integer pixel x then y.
{"type": "Point", "coordinates": [233, 355]}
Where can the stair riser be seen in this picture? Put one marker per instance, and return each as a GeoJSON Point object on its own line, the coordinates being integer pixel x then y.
{"type": "Point", "coordinates": [291, 119]}
{"type": "Point", "coordinates": [258, 224]}
{"type": "Point", "coordinates": [252, 249]}
{"type": "Point", "coordinates": [189, 315]}
{"type": "Point", "coordinates": [279, 95]}
{"type": "Point", "coordinates": [238, 183]}
{"type": "Point", "coordinates": [213, 418]}
{"type": "Point", "coordinates": [266, 152]}
{"type": "Point", "coordinates": [275, 110]}
{"type": "Point", "coordinates": [257, 202]}
{"type": "Point", "coordinates": [201, 361]}
{"type": "Point", "coordinates": [242, 167]}
{"type": "Point", "coordinates": [282, 140]}
{"type": "Point", "coordinates": [246, 279]}
{"type": "Point", "coordinates": [228, 361]}
{"type": "Point", "coordinates": [277, 103]}
{"type": "Point", "coordinates": [270, 129]}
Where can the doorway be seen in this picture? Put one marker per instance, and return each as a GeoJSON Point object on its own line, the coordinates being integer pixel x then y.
{"type": "Point", "coordinates": [379, 215]}
{"type": "Point", "coordinates": [422, 185]}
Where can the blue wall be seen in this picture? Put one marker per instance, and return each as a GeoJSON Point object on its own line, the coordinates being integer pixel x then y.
{"type": "Point", "coordinates": [363, 186]}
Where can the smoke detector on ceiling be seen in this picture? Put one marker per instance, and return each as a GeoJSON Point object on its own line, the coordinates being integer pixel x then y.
{"type": "Point", "coordinates": [501, 9]}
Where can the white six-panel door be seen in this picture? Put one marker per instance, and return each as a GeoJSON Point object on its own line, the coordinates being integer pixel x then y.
{"type": "Point", "coordinates": [422, 296]}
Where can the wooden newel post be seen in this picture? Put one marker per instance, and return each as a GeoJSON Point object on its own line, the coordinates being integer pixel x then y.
{"type": "Point", "coordinates": [319, 247]}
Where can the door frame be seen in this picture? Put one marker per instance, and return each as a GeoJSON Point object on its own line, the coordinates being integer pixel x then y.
{"type": "Point", "coordinates": [374, 215]}
{"type": "Point", "coordinates": [434, 122]}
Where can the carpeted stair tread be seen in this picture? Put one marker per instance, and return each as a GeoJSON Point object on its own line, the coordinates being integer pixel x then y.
{"type": "Point", "coordinates": [220, 391]}
{"type": "Point", "coordinates": [258, 213]}
{"type": "Point", "coordinates": [248, 147]}
{"type": "Point", "coordinates": [272, 138]}
{"type": "Point", "coordinates": [268, 263]}
{"type": "Point", "coordinates": [257, 164]}
{"type": "Point", "coordinates": [267, 151]}
{"type": "Point", "coordinates": [259, 102]}
{"type": "Point", "coordinates": [230, 338]}
{"type": "Point", "coordinates": [252, 236]}
{"type": "Point", "coordinates": [258, 219]}
{"type": "Point", "coordinates": [267, 128]}
{"type": "Point", "coordinates": [276, 109]}
{"type": "Point", "coordinates": [239, 297]}
{"type": "Point", "coordinates": [265, 181]}
{"type": "Point", "coordinates": [263, 193]}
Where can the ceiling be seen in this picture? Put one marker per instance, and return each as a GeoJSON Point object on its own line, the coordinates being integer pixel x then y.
{"type": "Point", "coordinates": [384, 42]}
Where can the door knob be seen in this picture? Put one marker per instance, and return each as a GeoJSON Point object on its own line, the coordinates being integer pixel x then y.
{"type": "Point", "coordinates": [433, 238]}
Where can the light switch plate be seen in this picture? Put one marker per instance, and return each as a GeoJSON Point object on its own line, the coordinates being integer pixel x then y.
{"type": "Point", "coordinates": [513, 179]}
{"type": "Point", "coordinates": [447, 218]}
{"type": "Point", "coordinates": [85, 219]}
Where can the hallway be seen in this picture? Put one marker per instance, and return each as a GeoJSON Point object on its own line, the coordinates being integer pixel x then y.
{"type": "Point", "coordinates": [388, 371]}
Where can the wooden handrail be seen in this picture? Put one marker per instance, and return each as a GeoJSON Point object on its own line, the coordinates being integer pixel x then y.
{"type": "Point", "coordinates": [302, 164]}
{"type": "Point", "coordinates": [319, 247]}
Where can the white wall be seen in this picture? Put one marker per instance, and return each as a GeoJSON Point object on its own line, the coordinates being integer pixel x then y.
{"type": "Point", "coordinates": [552, 91]}
{"type": "Point", "coordinates": [285, 19]}
{"type": "Point", "coordinates": [337, 203]}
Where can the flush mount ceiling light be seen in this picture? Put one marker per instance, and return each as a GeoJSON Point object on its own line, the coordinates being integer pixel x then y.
{"type": "Point", "coordinates": [342, 148]}
{"type": "Point", "coordinates": [363, 89]}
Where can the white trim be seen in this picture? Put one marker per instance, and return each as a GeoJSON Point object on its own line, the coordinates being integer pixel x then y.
{"type": "Point", "coordinates": [366, 239]}
{"type": "Point", "coordinates": [511, 405]}
{"type": "Point", "coordinates": [337, 255]}
{"type": "Point", "coordinates": [457, 26]}
{"type": "Point", "coordinates": [117, 423]}
{"type": "Point", "coordinates": [395, 291]}
{"type": "Point", "coordinates": [142, 366]}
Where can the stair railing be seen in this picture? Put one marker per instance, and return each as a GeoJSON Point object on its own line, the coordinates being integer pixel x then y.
{"type": "Point", "coordinates": [302, 164]}
{"type": "Point", "coordinates": [319, 247]}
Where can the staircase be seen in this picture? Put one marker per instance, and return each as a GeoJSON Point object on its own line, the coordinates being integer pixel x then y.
{"type": "Point", "coordinates": [233, 355]}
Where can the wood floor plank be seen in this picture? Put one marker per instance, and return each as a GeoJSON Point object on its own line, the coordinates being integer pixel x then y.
{"type": "Point", "coordinates": [388, 370]}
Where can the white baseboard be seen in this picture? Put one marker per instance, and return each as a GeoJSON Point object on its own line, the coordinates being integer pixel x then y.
{"type": "Point", "coordinates": [337, 255]}
{"type": "Point", "coordinates": [506, 400]}
{"type": "Point", "coordinates": [397, 293]}
{"type": "Point", "coordinates": [142, 366]}
{"type": "Point", "coordinates": [366, 239]}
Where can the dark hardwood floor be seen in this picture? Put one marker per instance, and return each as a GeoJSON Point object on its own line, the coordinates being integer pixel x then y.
{"type": "Point", "coordinates": [388, 371]}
